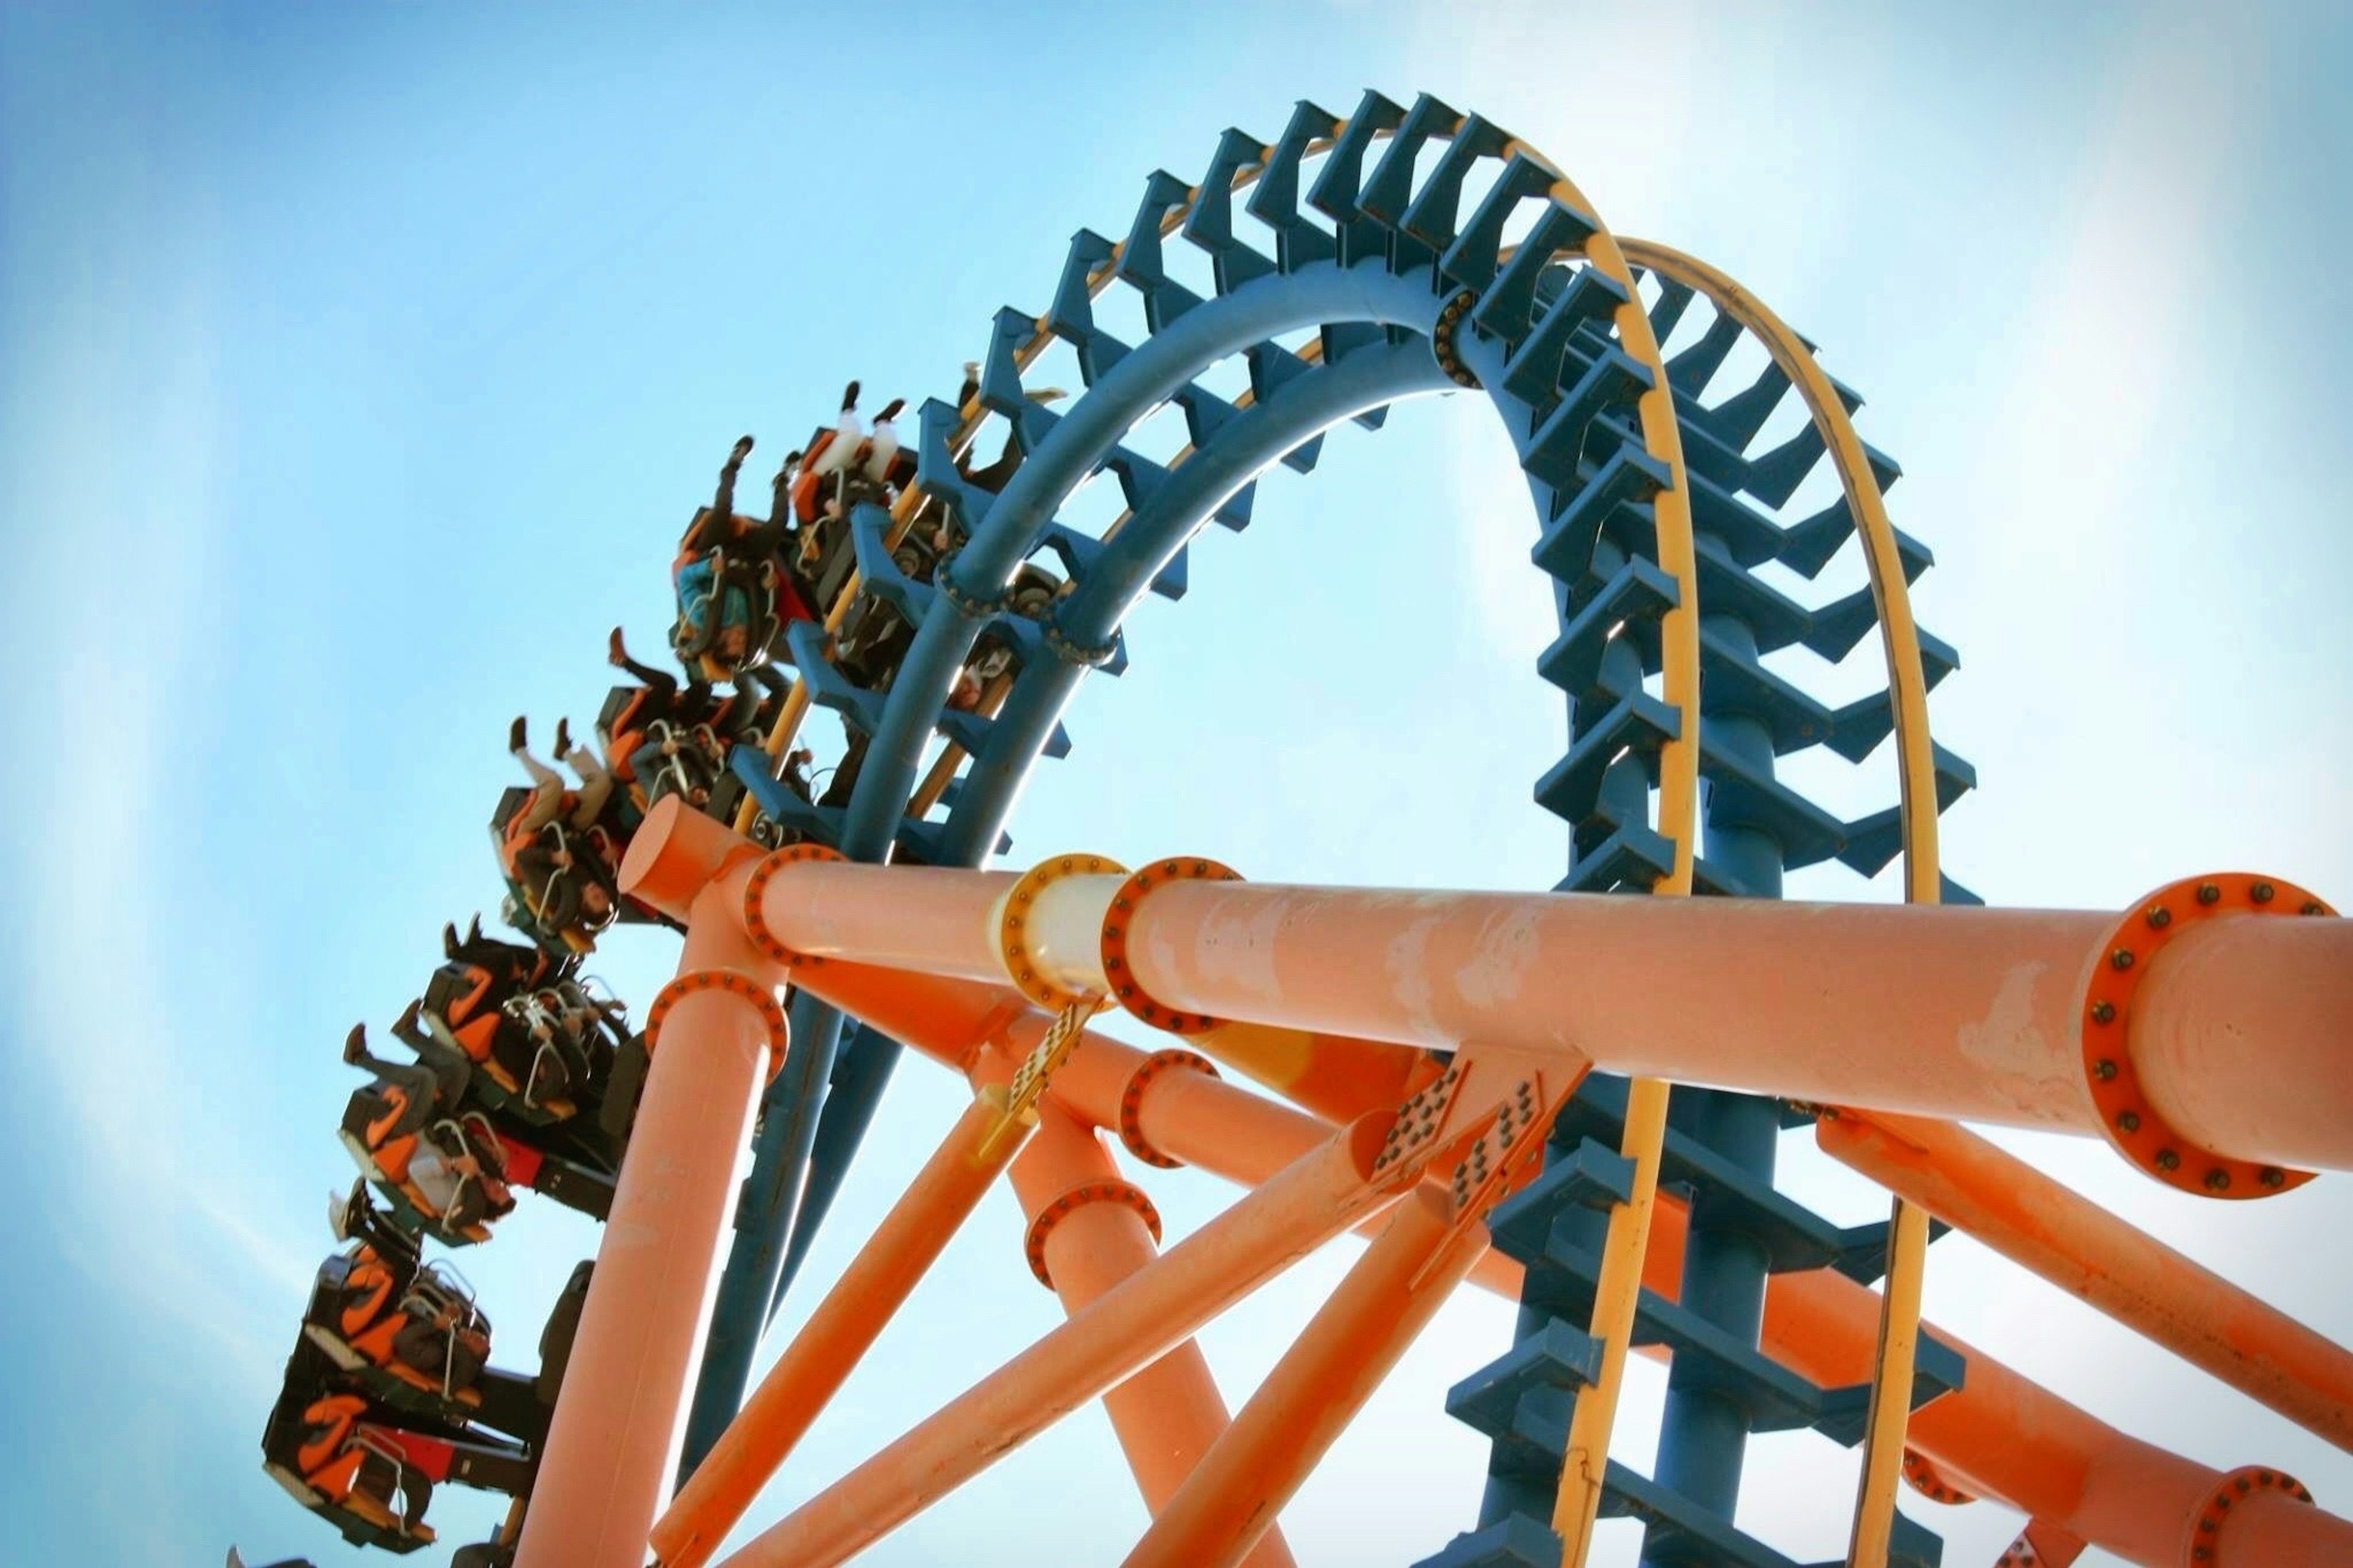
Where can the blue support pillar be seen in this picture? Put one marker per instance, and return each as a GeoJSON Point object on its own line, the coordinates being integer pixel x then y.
{"type": "Point", "coordinates": [1703, 1430]}
{"type": "Point", "coordinates": [858, 1080]}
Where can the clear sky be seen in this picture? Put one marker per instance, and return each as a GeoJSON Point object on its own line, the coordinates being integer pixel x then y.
{"type": "Point", "coordinates": [359, 365]}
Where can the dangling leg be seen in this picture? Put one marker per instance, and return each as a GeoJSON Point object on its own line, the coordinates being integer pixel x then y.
{"type": "Point", "coordinates": [661, 682]}
{"type": "Point", "coordinates": [546, 784]}
{"type": "Point", "coordinates": [440, 1054]}
{"type": "Point", "coordinates": [596, 787]}
{"type": "Point", "coordinates": [416, 1082]}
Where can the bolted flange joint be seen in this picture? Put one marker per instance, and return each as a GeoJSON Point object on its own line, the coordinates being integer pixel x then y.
{"type": "Point", "coordinates": [1131, 1100]}
{"type": "Point", "coordinates": [1077, 1198]}
{"type": "Point", "coordinates": [2214, 1520]}
{"type": "Point", "coordinates": [772, 1012]}
{"type": "Point", "coordinates": [1124, 988]}
{"type": "Point", "coordinates": [1013, 946]}
{"type": "Point", "coordinates": [756, 888]}
{"type": "Point", "coordinates": [2126, 1116]}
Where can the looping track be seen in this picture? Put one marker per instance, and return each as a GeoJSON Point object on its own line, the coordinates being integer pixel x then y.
{"type": "Point", "coordinates": [1655, 509]}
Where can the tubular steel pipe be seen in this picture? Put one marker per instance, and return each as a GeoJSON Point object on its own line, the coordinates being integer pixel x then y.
{"type": "Point", "coordinates": [614, 1440]}
{"type": "Point", "coordinates": [1382, 1305]}
{"type": "Point", "coordinates": [1958, 1012]}
{"type": "Point", "coordinates": [2205, 1021]}
{"type": "Point", "coordinates": [2002, 1437]}
{"type": "Point", "coordinates": [1128, 1328]}
{"type": "Point", "coordinates": [1170, 1413]}
{"type": "Point", "coordinates": [838, 1335]}
{"type": "Point", "coordinates": [2086, 1251]}
{"type": "Point", "coordinates": [2007, 1438]}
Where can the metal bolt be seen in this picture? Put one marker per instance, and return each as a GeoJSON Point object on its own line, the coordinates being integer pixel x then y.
{"type": "Point", "coordinates": [2160, 917]}
{"type": "Point", "coordinates": [2218, 1181]}
{"type": "Point", "coordinates": [2121, 959]}
{"type": "Point", "coordinates": [2271, 1177]}
{"type": "Point", "coordinates": [2103, 1012]}
{"type": "Point", "coordinates": [2209, 893]}
{"type": "Point", "coordinates": [2104, 1069]}
{"type": "Point", "coordinates": [2167, 1160]}
{"type": "Point", "coordinates": [2129, 1121]}
{"type": "Point", "coordinates": [2261, 892]}
{"type": "Point", "coordinates": [2311, 907]}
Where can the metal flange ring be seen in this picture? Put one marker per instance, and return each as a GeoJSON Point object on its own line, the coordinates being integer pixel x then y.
{"type": "Point", "coordinates": [772, 1012]}
{"type": "Point", "coordinates": [1442, 339]}
{"type": "Point", "coordinates": [943, 579]}
{"type": "Point", "coordinates": [1124, 986]}
{"type": "Point", "coordinates": [2204, 1545]}
{"type": "Point", "coordinates": [1131, 1100]}
{"type": "Point", "coordinates": [2131, 1124]}
{"type": "Point", "coordinates": [1929, 1482]}
{"type": "Point", "coordinates": [1078, 1197]}
{"type": "Point", "coordinates": [1013, 916]}
{"type": "Point", "coordinates": [755, 924]}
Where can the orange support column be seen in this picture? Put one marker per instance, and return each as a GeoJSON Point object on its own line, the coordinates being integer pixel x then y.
{"type": "Point", "coordinates": [837, 1335]}
{"type": "Point", "coordinates": [716, 1034]}
{"type": "Point", "coordinates": [1128, 1328]}
{"type": "Point", "coordinates": [1316, 1388]}
{"type": "Point", "coordinates": [2086, 1251]}
{"type": "Point", "coordinates": [1089, 1230]}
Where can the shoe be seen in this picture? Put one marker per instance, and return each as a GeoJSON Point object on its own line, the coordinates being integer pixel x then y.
{"type": "Point", "coordinates": [518, 738]}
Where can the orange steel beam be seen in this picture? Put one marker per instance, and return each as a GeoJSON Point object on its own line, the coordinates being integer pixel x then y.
{"type": "Point", "coordinates": [1126, 1328]}
{"type": "Point", "coordinates": [1386, 1300]}
{"type": "Point", "coordinates": [2005, 1436]}
{"type": "Point", "coordinates": [1170, 1413]}
{"type": "Point", "coordinates": [2240, 1034]}
{"type": "Point", "coordinates": [838, 1334]}
{"type": "Point", "coordinates": [2086, 1251]}
{"type": "Point", "coordinates": [613, 1442]}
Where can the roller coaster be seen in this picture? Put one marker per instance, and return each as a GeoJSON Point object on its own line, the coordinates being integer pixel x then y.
{"type": "Point", "coordinates": [1572, 1098]}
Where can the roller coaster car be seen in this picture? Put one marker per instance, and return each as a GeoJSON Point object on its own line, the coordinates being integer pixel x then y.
{"type": "Point", "coordinates": [405, 1332]}
{"type": "Point", "coordinates": [552, 1052]}
{"type": "Point", "coordinates": [447, 1179]}
{"type": "Point", "coordinates": [732, 608]}
{"type": "Point", "coordinates": [563, 880]}
{"type": "Point", "coordinates": [369, 1470]}
{"type": "Point", "coordinates": [636, 716]}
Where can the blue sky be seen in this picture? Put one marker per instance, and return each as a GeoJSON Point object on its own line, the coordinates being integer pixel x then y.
{"type": "Point", "coordinates": [358, 366]}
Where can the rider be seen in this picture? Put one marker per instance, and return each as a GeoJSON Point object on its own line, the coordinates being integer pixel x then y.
{"type": "Point", "coordinates": [550, 846]}
{"type": "Point", "coordinates": [659, 732]}
{"type": "Point", "coordinates": [716, 613]}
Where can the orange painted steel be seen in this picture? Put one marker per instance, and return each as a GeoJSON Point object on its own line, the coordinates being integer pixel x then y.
{"type": "Point", "coordinates": [837, 1336]}
{"type": "Point", "coordinates": [1126, 1328]}
{"type": "Point", "coordinates": [1170, 1413]}
{"type": "Point", "coordinates": [2267, 1529]}
{"type": "Point", "coordinates": [2001, 1436]}
{"type": "Point", "coordinates": [1958, 1012]}
{"type": "Point", "coordinates": [614, 1440]}
{"type": "Point", "coordinates": [2086, 1251]}
{"type": "Point", "coordinates": [2071, 1469]}
{"type": "Point", "coordinates": [1317, 1389]}
{"type": "Point", "coordinates": [1321, 1073]}
{"type": "Point", "coordinates": [2200, 1026]}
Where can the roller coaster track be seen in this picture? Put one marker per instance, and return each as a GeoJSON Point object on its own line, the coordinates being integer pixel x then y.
{"type": "Point", "coordinates": [1655, 509]}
